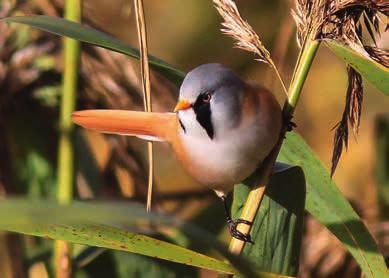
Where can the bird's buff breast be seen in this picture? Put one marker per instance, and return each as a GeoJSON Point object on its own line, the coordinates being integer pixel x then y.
{"type": "Point", "coordinates": [218, 164]}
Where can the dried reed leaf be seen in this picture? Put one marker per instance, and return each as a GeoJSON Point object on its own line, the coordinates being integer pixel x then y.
{"type": "Point", "coordinates": [368, 24]}
{"type": "Point", "coordinates": [340, 140]}
{"type": "Point", "coordinates": [381, 6]}
{"type": "Point", "coordinates": [344, 21]}
{"type": "Point", "coordinates": [379, 55]}
{"type": "Point", "coordinates": [355, 98]}
{"type": "Point", "coordinates": [351, 114]}
{"type": "Point", "coordinates": [341, 20]}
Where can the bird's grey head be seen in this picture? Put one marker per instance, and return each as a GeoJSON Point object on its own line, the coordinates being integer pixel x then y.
{"type": "Point", "coordinates": [210, 94]}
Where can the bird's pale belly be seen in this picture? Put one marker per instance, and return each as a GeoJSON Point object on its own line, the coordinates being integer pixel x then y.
{"type": "Point", "coordinates": [220, 164]}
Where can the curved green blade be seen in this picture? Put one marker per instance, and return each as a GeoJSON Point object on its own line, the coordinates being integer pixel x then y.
{"type": "Point", "coordinates": [327, 204]}
{"type": "Point", "coordinates": [377, 74]}
{"type": "Point", "coordinates": [278, 226]}
{"type": "Point", "coordinates": [76, 223]}
{"type": "Point", "coordinates": [98, 224]}
{"type": "Point", "coordinates": [118, 239]}
{"type": "Point", "coordinates": [63, 27]}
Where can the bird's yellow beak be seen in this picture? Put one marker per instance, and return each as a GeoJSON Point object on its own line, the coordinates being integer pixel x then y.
{"type": "Point", "coordinates": [182, 105]}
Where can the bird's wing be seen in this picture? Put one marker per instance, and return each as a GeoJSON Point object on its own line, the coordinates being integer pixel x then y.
{"type": "Point", "coordinates": [146, 125]}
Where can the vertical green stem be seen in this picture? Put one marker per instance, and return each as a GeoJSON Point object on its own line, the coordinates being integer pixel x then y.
{"type": "Point", "coordinates": [71, 57]}
{"type": "Point", "coordinates": [300, 75]}
{"type": "Point", "coordinates": [71, 50]}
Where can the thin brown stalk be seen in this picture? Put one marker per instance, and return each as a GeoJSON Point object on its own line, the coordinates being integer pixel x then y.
{"type": "Point", "coordinates": [282, 43]}
{"type": "Point", "coordinates": [145, 71]}
{"type": "Point", "coordinates": [71, 58]}
{"type": "Point", "coordinates": [244, 35]}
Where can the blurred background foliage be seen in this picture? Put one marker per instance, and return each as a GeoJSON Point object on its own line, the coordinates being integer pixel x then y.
{"type": "Point", "coordinates": [184, 34]}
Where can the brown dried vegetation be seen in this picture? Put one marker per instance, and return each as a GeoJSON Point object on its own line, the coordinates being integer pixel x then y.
{"type": "Point", "coordinates": [343, 21]}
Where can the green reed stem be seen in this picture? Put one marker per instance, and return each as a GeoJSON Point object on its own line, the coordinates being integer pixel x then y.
{"type": "Point", "coordinates": [71, 57]}
{"type": "Point", "coordinates": [300, 75]}
{"type": "Point", "coordinates": [71, 50]}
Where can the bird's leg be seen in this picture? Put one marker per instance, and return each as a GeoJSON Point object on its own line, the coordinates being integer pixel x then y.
{"type": "Point", "coordinates": [233, 224]}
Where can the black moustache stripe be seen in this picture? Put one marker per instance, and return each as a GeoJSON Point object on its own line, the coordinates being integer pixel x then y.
{"type": "Point", "coordinates": [203, 116]}
{"type": "Point", "coordinates": [182, 125]}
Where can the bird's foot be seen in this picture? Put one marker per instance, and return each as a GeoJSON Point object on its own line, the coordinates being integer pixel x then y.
{"type": "Point", "coordinates": [289, 124]}
{"type": "Point", "coordinates": [233, 224]}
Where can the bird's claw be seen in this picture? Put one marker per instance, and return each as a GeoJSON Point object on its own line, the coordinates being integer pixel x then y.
{"type": "Point", "coordinates": [289, 124]}
{"type": "Point", "coordinates": [233, 224]}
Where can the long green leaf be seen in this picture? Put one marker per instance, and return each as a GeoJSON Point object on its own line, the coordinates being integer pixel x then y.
{"type": "Point", "coordinates": [63, 27]}
{"type": "Point", "coordinates": [98, 224]}
{"type": "Point", "coordinates": [278, 226]}
{"type": "Point", "coordinates": [72, 223]}
{"type": "Point", "coordinates": [327, 204]}
{"type": "Point", "coordinates": [377, 74]}
{"type": "Point", "coordinates": [117, 239]}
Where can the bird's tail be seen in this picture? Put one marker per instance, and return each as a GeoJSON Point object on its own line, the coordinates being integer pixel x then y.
{"type": "Point", "coordinates": [146, 125]}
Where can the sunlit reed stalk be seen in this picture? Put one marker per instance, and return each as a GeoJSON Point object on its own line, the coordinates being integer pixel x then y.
{"type": "Point", "coordinates": [255, 197]}
{"type": "Point", "coordinates": [71, 57]}
{"type": "Point", "coordinates": [248, 40]}
{"type": "Point", "coordinates": [145, 72]}
{"type": "Point", "coordinates": [317, 20]}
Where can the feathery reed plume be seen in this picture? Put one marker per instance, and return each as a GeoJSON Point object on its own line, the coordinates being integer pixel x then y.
{"type": "Point", "coordinates": [241, 31]}
{"type": "Point", "coordinates": [338, 19]}
{"type": "Point", "coordinates": [351, 114]}
{"type": "Point", "coordinates": [355, 90]}
{"type": "Point", "coordinates": [244, 35]}
{"type": "Point", "coordinates": [309, 16]}
{"type": "Point", "coordinates": [341, 20]}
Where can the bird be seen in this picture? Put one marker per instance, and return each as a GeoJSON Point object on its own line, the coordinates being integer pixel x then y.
{"type": "Point", "coordinates": [221, 129]}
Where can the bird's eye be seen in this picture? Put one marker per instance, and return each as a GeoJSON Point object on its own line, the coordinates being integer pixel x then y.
{"type": "Point", "coordinates": [206, 97]}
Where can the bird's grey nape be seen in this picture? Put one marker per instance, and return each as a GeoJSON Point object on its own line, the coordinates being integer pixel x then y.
{"type": "Point", "coordinates": [205, 78]}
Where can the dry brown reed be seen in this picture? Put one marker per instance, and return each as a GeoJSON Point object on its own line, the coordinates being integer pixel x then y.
{"type": "Point", "coordinates": [343, 21]}
{"type": "Point", "coordinates": [146, 87]}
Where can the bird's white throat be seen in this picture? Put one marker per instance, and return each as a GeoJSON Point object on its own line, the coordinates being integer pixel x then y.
{"type": "Point", "coordinates": [224, 161]}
